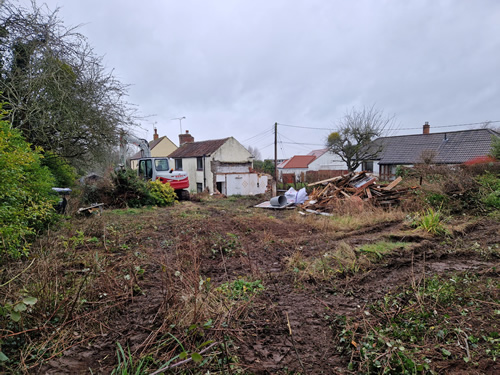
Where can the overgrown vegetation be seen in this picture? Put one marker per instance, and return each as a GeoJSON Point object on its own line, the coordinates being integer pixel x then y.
{"type": "Point", "coordinates": [26, 205]}
{"type": "Point", "coordinates": [220, 286]}
{"type": "Point", "coordinates": [414, 329]}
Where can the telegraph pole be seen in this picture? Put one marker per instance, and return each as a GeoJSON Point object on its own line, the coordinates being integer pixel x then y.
{"type": "Point", "coordinates": [276, 152]}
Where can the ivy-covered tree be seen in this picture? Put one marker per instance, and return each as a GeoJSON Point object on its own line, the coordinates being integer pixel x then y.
{"type": "Point", "coordinates": [58, 93]}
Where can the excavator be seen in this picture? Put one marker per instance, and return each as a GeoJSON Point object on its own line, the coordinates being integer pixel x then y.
{"type": "Point", "coordinates": [154, 168]}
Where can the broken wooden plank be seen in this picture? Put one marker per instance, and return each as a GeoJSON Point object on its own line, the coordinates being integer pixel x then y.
{"type": "Point", "coordinates": [327, 180]}
{"type": "Point", "coordinates": [393, 183]}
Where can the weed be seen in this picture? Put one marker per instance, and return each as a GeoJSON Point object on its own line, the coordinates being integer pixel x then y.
{"type": "Point", "coordinates": [126, 363]}
{"type": "Point", "coordinates": [227, 244]}
{"type": "Point", "coordinates": [430, 221]}
{"type": "Point", "coordinates": [240, 289]}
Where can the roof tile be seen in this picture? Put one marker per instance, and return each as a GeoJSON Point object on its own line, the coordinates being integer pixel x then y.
{"type": "Point", "coordinates": [197, 149]}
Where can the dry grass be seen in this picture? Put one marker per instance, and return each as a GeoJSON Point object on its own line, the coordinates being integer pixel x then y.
{"type": "Point", "coordinates": [351, 219]}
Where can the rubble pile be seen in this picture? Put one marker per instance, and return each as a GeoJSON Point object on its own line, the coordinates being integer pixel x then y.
{"type": "Point", "coordinates": [355, 186]}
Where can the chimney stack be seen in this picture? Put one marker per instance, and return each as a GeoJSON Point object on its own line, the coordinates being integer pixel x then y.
{"type": "Point", "coordinates": [155, 135]}
{"type": "Point", "coordinates": [185, 138]}
{"type": "Point", "coordinates": [427, 128]}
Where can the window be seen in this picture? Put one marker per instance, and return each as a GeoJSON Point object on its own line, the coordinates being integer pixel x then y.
{"type": "Point", "coordinates": [161, 164]}
{"type": "Point", "coordinates": [368, 166]}
{"type": "Point", "coordinates": [146, 169]}
{"type": "Point", "coordinates": [199, 187]}
{"type": "Point", "coordinates": [178, 164]}
{"type": "Point", "coordinates": [199, 164]}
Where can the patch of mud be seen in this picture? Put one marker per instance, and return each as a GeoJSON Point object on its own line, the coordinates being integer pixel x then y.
{"type": "Point", "coordinates": [290, 326]}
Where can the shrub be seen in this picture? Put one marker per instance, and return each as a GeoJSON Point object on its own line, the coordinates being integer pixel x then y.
{"type": "Point", "coordinates": [162, 194]}
{"type": "Point", "coordinates": [490, 190]}
{"type": "Point", "coordinates": [26, 203]}
{"type": "Point", "coordinates": [130, 190]}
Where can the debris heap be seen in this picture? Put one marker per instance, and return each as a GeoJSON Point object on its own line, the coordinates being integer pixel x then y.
{"type": "Point", "coordinates": [355, 186]}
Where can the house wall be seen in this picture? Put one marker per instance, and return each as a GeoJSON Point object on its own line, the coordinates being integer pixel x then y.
{"type": "Point", "coordinates": [230, 158]}
{"type": "Point", "coordinates": [327, 161]}
{"type": "Point", "coordinates": [232, 151]}
{"type": "Point", "coordinates": [189, 165]}
{"type": "Point", "coordinates": [242, 183]}
{"type": "Point", "coordinates": [164, 148]}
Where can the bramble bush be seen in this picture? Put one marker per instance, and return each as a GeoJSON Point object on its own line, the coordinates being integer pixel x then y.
{"type": "Point", "coordinates": [26, 202]}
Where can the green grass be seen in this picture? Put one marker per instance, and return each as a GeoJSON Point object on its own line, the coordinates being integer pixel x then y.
{"type": "Point", "coordinates": [379, 249]}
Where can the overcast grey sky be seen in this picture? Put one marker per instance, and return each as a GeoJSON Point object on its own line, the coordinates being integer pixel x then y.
{"type": "Point", "coordinates": [234, 68]}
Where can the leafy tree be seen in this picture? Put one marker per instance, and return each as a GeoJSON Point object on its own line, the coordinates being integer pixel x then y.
{"type": "Point", "coordinates": [495, 147]}
{"type": "Point", "coordinates": [63, 172]}
{"type": "Point", "coordinates": [26, 203]}
{"type": "Point", "coordinates": [352, 140]}
{"type": "Point", "coordinates": [266, 166]}
{"type": "Point", "coordinates": [59, 94]}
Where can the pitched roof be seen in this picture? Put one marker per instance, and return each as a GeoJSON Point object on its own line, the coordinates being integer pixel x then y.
{"type": "Point", "coordinates": [299, 161]}
{"type": "Point", "coordinates": [318, 153]}
{"type": "Point", "coordinates": [443, 148]}
{"type": "Point", "coordinates": [197, 149]}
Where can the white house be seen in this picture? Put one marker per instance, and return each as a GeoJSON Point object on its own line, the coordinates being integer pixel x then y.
{"type": "Point", "coordinates": [326, 161]}
{"type": "Point", "coordinates": [220, 164]}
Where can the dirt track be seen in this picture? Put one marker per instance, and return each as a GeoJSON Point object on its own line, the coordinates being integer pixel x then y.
{"type": "Point", "coordinates": [288, 328]}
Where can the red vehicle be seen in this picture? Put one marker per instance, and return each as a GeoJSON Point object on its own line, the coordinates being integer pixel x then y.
{"type": "Point", "coordinates": [151, 168]}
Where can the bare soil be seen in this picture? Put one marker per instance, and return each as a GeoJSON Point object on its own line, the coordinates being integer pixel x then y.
{"type": "Point", "coordinates": [288, 327]}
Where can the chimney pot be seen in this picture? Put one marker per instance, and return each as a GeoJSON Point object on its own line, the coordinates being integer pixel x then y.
{"type": "Point", "coordinates": [155, 135]}
{"type": "Point", "coordinates": [427, 128]}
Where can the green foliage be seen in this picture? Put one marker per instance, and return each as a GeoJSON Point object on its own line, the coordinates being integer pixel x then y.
{"type": "Point", "coordinates": [240, 289]}
{"type": "Point", "coordinates": [381, 248]}
{"type": "Point", "coordinates": [162, 194]}
{"type": "Point", "coordinates": [430, 221]}
{"type": "Point", "coordinates": [64, 174]}
{"type": "Point", "coordinates": [409, 330]}
{"type": "Point", "coordinates": [130, 190]}
{"type": "Point", "coordinates": [490, 190]}
{"type": "Point", "coordinates": [436, 200]}
{"type": "Point", "coordinates": [495, 148]}
{"type": "Point", "coordinates": [227, 244]}
{"type": "Point", "coordinates": [26, 203]}
{"type": "Point", "coordinates": [266, 166]}
{"type": "Point", "coordinates": [126, 363]}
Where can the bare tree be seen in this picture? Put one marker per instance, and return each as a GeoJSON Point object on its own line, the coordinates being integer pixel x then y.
{"type": "Point", "coordinates": [352, 140]}
{"type": "Point", "coordinates": [57, 91]}
{"type": "Point", "coordinates": [255, 152]}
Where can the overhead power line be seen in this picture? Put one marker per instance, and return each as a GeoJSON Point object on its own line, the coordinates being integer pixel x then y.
{"type": "Point", "coordinates": [420, 127]}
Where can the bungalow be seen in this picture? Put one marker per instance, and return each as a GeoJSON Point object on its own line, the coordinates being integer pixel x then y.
{"type": "Point", "coordinates": [450, 148]}
{"type": "Point", "coordinates": [159, 146]}
{"type": "Point", "coordinates": [295, 168]}
{"type": "Point", "coordinates": [220, 164]}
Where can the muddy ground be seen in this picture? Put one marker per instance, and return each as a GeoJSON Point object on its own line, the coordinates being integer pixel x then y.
{"type": "Point", "coordinates": [290, 326]}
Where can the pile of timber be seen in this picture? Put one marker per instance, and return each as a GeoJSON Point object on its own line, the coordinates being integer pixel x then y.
{"type": "Point", "coordinates": [355, 186]}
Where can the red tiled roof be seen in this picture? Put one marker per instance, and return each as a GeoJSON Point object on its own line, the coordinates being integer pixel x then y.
{"type": "Point", "coordinates": [197, 149]}
{"type": "Point", "coordinates": [299, 161]}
